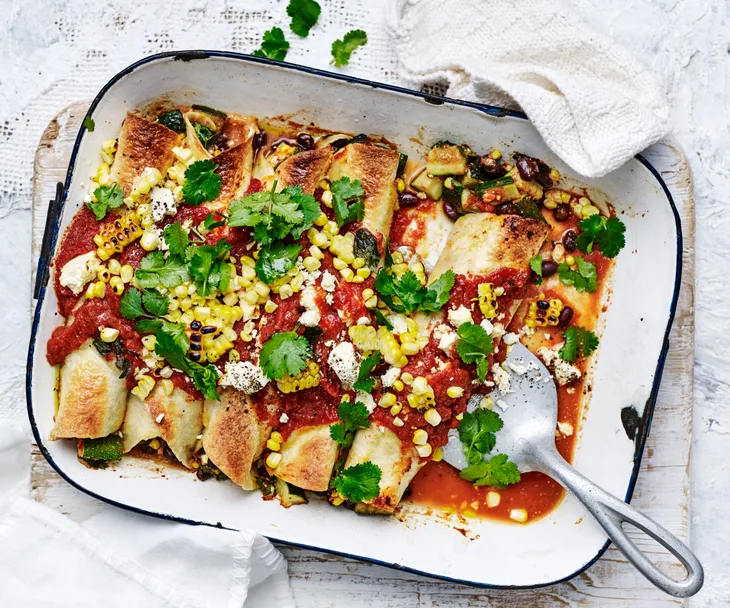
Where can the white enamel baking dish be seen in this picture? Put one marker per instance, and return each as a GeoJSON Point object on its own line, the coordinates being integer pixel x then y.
{"type": "Point", "coordinates": [626, 375]}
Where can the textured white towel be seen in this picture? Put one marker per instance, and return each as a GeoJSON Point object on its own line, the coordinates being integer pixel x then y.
{"type": "Point", "coordinates": [117, 559]}
{"type": "Point", "coordinates": [593, 104]}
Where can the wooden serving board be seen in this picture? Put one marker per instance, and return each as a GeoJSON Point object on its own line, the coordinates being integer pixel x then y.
{"type": "Point", "coordinates": [324, 581]}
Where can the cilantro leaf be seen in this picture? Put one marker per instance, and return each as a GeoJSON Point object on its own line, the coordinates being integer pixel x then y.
{"type": "Point", "coordinates": [359, 482]}
{"type": "Point", "coordinates": [202, 183]}
{"type": "Point", "coordinates": [354, 416]}
{"type": "Point", "coordinates": [176, 238]}
{"type": "Point", "coordinates": [211, 222]}
{"type": "Point", "coordinates": [207, 267]}
{"type": "Point", "coordinates": [348, 200]}
{"type": "Point", "coordinates": [304, 15]}
{"type": "Point", "coordinates": [206, 135]}
{"type": "Point", "coordinates": [273, 45]}
{"type": "Point", "coordinates": [585, 279]}
{"type": "Point", "coordinates": [205, 378]}
{"type": "Point", "coordinates": [401, 295]}
{"type": "Point", "coordinates": [498, 472]}
{"type": "Point", "coordinates": [107, 197]}
{"type": "Point", "coordinates": [579, 342]}
{"type": "Point", "coordinates": [606, 233]}
{"type": "Point", "coordinates": [364, 382]}
{"type": "Point", "coordinates": [89, 124]}
{"type": "Point", "coordinates": [148, 326]}
{"type": "Point", "coordinates": [342, 49]}
{"type": "Point", "coordinates": [437, 293]}
{"type": "Point", "coordinates": [536, 267]}
{"type": "Point", "coordinates": [276, 260]}
{"type": "Point", "coordinates": [130, 306]}
{"type": "Point", "coordinates": [155, 269]}
{"type": "Point", "coordinates": [155, 303]}
{"type": "Point", "coordinates": [284, 353]}
{"type": "Point", "coordinates": [383, 320]}
{"type": "Point", "coordinates": [476, 433]}
{"type": "Point", "coordinates": [474, 346]}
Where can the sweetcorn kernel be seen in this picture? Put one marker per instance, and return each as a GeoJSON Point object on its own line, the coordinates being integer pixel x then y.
{"type": "Point", "coordinates": [455, 391]}
{"type": "Point", "coordinates": [420, 437]}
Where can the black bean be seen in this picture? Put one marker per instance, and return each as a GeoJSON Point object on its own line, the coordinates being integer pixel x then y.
{"type": "Point", "coordinates": [259, 141]}
{"type": "Point", "coordinates": [543, 304]}
{"type": "Point", "coordinates": [208, 329]}
{"type": "Point", "coordinates": [527, 166]}
{"type": "Point", "coordinates": [450, 211]}
{"type": "Point", "coordinates": [569, 240]}
{"type": "Point", "coordinates": [562, 212]}
{"type": "Point", "coordinates": [202, 474]}
{"type": "Point", "coordinates": [340, 143]}
{"type": "Point", "coordinates": [198, 337]}
{"type": "Point", "coordinates": [565, 317]}
{"type": "Point", "coordinates": [549, 268]}
{"type": "Point", "coordinates": [305, 141]}
{"type": "Point", "coordinates": [195, 357]}
{"type": "Point", "coordinates": [490, 168]}
{"type": "Point", "coordinates": [195, 325]}
{"type": "Point", "coordinates": [195, 346]}
{"type": "Point", "coordinates": [408, 199]}
{"type": "Point", "coordinates": [506, 209]}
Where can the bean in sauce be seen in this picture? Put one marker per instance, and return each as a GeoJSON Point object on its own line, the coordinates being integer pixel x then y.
{"type": "Point", "coordinates": [562, 212]}
{"type": "Point", "coordinates": [569, 241]}
{"type": "Point", "coordinates": [305, 141]}
{"type": "Point", "coordinates": [506, 209]}
{"type": "Point", "coordinates": [450, 211]}
{"type": "Point", "coordinates": [566, 315]}
{"type": "Point", "coordinates": [408, 199]}
{"type": "Point", "coordinates": [549, 268]}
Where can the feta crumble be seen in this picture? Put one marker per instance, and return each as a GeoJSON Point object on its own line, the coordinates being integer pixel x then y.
{"type": "Point", "coordinates": [284, 418]}
{"type": "Point", "coordinates": [501, 378]}
{"type": "Point", "coordinates": [78, 271]}
{"type": "Point", "coordinates": [563, 371]}
{"type": "Point", "coordinates": [366, 399]}
{"type": "Point", "coordinates": [244, 376]}
{"type": "Point", "coordinates": [328, 281]}
{"type": "Point", "coordinates": [460, 316]}
{"type": "Point", "coordinates": [162, 202]}
{"type": "Point", "coordinates": [398, 321]}
{"type": "Point", "coordinates": [565, 428]}
{"type": "Point", "coordinates": [390, 376]}
{"type": "Point", "coordinates": [345, 363]}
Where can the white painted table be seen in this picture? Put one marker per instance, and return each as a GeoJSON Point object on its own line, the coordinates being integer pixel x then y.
{"type": "Point", "coordinates": [53, 54]}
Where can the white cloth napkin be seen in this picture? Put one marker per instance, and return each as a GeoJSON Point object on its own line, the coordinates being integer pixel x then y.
{"type": "Point", "coordinates": [593, 104]}
{"type": "Point", "coordinates": [118, 559]}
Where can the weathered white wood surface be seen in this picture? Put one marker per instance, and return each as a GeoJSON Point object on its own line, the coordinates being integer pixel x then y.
{"type": "Point", "coordinates": [325, 581]}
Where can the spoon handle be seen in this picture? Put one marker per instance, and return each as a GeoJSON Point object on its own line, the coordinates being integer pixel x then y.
{"type": "Point", "coordinates": [611, 512]}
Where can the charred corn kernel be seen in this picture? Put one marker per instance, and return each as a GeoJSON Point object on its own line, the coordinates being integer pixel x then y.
{"type": "Point", "coordinates": [420, 437]}
{"type": "Point", "coordinates": [251, 297]}
{"type": "Point", "coordinates": [166, 372]}
{"type": "Point", "coordinates": [326, 199]}
{"type": "Point", "coordinates": [358, 263]}
{"type": "Point", "coordinates": [363, 273]}
{"type": "Point", "coordinates": [116, 235]}
{"type": "Point", "coordinates": [396, 409]}
{"type": "Point", "coordinates": [407, 378]}
{"type": "Point", "coordinates": [420, 385]}
{"type": "Point", "coordinates": [230, 299]}
{"type": "Point", "coordinates": [487, 299]}
{"type": "Point", "coordinates": [102, 254]}
{"type": "Point", "coordinates": [273, 460]}
{"type": "Point", "coordinates": [518, 515]}
{"type": "Point", "coordinates": [114, 267]}
{"type": "Point", "coordinates": [389, 347]}
{"type": "Point", "coordinates": [409, 348]}
{"type": "Point", "coordinates": [90, 292]}
{"type": "Point", "coordinates": [544, 313]}
{"type": "Point", "coordinates": [569, 260]}
{"type": "Point", "coordinates": [337, 500]}
{"type": "Point", "coordinates": [398, 422]}
{"type": "Point", "coordinates": [331, 228]}
{"type": "Point", "coordinates": [554, 175]}
{"type": "Point", "coordinates": [550, 203]}
{"type": "Point", "coordinates": [400, 184]}
{"type": "Point", "coordinates": [270, 306]}
{"type": "Point", "coordinates": [187, 317]}
{"type": "Point", "coordinates": [149, 342]}
{"type": "Point", "coordinates": [496, 154]}
{"type": "Point", "coordinates": [339, 264]}
{"type": "Point", "coordinates": [398, 385]}
{"type": "Point", "coordinates": [316, 252]}
{"type": "Point", "coordinates": [103, 274]}
{"type": "Point", "coordinates": [202, 313]}
{"type": "Point", "coordinates": [364, 337]}
{"type": "Point", "coordinates": [185, 305]}
{"type": "Point", "coordinates": [149, 241]}
{"type": "Point", "coordinates": [397, 257]}
{"type": "Point", "coordinates": [367, 293]}
{"type": "Point", "coordinates": [578, 210]}
{"type": "Point", "coordinates": [276, 436]}
{"type": "Point", "coordinates": [347, 274]}
{"type": "Point", "coordinates": [108, 334]}
{"type": "Point", "coordinates": [167, 386]}
{"type": "Point", "coordinates": [99, 289]}
{"type": "Point", "coordinates": [109, 146]}
{"type": "Point", "coordinates": [117, 285]}
{"type": "Point", "coordinates": [144, 387]}
{"type": "Point", "coordinates": [589, 210]}
{"type": "Point", "coordinates": [371, 302]}
{"type": "Point", "coordinates": [454, 392]}
{"type": "Point", "coordinates": [493, 499]}
{"type": "Point", "coordinates": [126, 273]}
{"type": "Point", "coordinates": [274, 446]}
{"type": "Point", "coordinates": [424, 451]}
{"type": "Point", "coordinates": [438, 455]}
{"type": "Point", "coordinates": [432, 417]}
{"type": "Point", "coordinates": [487, 403]}
{"type": "Point", "coordinates": [307, 379]}
{"type": "Point", "coordinates": [387, 400]}
{"type": "Point", "coordinates": [311, 263]}
{"type": "Point", "coordinates": [317, 238]}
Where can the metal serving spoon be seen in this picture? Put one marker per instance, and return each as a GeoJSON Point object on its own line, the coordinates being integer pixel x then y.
{"type": "Point", "coordinates": [528, 437]}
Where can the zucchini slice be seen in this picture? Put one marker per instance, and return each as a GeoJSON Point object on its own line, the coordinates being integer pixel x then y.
{"type": "Point", "coordinates": [503, 188]}
{"type": "Point", "coordinates": [446, 160]}
{"type": "Point", "coordinates": [431, 186]}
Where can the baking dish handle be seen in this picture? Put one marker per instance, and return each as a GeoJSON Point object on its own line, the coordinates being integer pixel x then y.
{"type": "Point", "coordinates": [611, 513]}
{"type": "Point", "coordinates": [49, 233]}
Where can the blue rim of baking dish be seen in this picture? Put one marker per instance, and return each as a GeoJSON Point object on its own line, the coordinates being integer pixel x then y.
{"type": "Point", "coordinates": [53, 228]}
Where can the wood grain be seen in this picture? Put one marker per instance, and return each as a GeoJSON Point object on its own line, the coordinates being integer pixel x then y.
{"type": "Point", "coordinates": [328, 581]}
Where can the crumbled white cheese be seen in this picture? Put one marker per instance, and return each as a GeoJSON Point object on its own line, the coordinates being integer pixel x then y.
{"type": "Point", "coordinates": [563, 371]}
{"type": "Point", "coordinates": [487, 326]}
{"type": "Point", "coordinates": [244, 376]}
{"type": "Point", "coordinates": [161, 242]}
{"type": "Point", "coordinates": [366, 399]}
{"type": "Point", "coordinates": [399, 324]}
{"type": "Point", "coordinates": [160, 418]}
{"type": "Point", "coordinates": [284, 418]}
{"type": "Point", "coordinates": [406, 252]}
{"type": "Point", "coordinates": [565, 428]}
{"type": "Point", "coordinates": [363, 321]}
{"type": "Point", "coordinates": [345, 363]}
{"type": "Point", "coordinates": [78, 271]}
{"type": "Point", "coordinates": [390, 376]}
{"type": "Point", "coordinates": [447, 341]}
{"type": "Point", "coordinates": [310, 318]}
{"type": "Point", "coordinates": [308, 299]}
{"type": "Point", "coordinates": [501, 404]}
{"type": "Point", "coordinates": [497, 331]}
{"type": "Point", "coordinates": [328, 281]}
{"type": "Point", "coordinates": [517, 368]}
{"type": "Point", "coordinates": [510, 338]}
{"type": "Point", "coordinates": [501, 378]}
{"type": "Point", "coordinates": [162, 202]}
{"type": "Point", "coordinates": [330, 299]}
{"type": "Point", "coordinates": [459, 316]}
